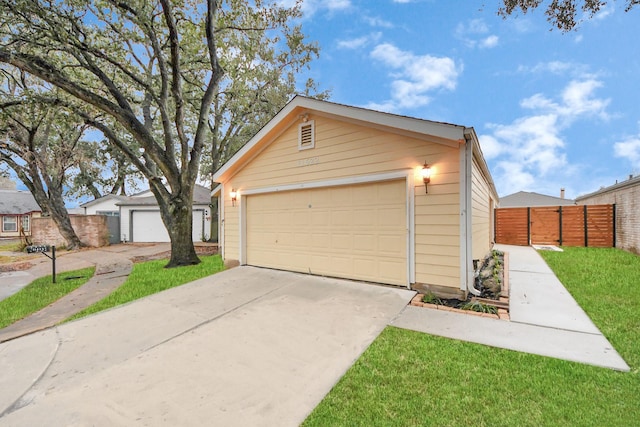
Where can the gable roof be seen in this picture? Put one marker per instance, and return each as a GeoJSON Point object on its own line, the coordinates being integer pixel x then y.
{"type": "Point", "coordinates": [632, 181]}
{"type": "Point", "coordinates": [201, 196]}
{"type": "Point", "coordinates": [437, 132]}
{"type": "Point", "coordinates": [104, 198]}
{"type": "Point", "coordinates": [523, 199]}
{"type": "Point", "coordinates": [14, 202]}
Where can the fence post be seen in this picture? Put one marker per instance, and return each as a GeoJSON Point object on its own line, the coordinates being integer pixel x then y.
{"type": "Point", "coordinates": [586, 227]}
{"type": "Point", "coordinates": [613, 208]}
{"type": "Point", "coordinates": [529, 226]}
{"type": "Point", "coordinates": [560, 224]}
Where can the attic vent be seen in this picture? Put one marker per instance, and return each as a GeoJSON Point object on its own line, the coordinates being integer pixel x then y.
{"type": "Point", "coordinates": [306, 135]}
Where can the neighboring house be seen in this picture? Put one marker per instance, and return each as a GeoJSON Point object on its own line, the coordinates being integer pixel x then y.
{"type": "Point", "coordinates": [17, 209]}
{"type": "Point", "coordinates": [335, 190]}
{"type": "Point", "coordinates": [105, 205]}
{"type": "Point", "coordinates": [626, 197]}
{"type": "Point", "coordinates": [140, 219]}
{"type": "Point", "coordinates": [525, 199]}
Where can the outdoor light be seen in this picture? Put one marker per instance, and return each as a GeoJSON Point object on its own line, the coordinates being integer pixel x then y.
{"type": "Point", "coordinates": [234, 196]}
{"type": "Point", "coordinates": [426, 176]}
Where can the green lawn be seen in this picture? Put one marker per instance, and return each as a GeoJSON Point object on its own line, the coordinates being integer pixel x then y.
{"type": "Point", "coordinates": [406, 378]}
{"type": "Point", "coordinates": [39, 294]}
{"type": "Point", "coordinates": [151, 277]}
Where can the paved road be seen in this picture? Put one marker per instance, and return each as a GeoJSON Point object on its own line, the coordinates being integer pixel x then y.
{"type": "Point", "coordinates": [247, 346]}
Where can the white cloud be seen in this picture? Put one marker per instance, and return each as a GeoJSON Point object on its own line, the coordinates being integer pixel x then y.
{"type": "Point", "coordinates": [473, 34]}
{"type": "Point", "coordinates": [630, 150]}
{"type": "Point", "coordinates": [489, 42]}
{"type": "Point", "coordinates": [531, 149]}
{"type": "Point", "coordinates": [359, 42]}
{"type": "Point", "coordinates": [414, 76]}
{"type": "Point", "coordinates": [403, 1]}
{"type": "Point", "coordinates": [375, 21]}
{"type": "Point", "coordinates": [310, 7]}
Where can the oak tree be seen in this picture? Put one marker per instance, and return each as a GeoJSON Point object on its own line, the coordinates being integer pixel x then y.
{"type": "Point", "coordinates": [144, 72]}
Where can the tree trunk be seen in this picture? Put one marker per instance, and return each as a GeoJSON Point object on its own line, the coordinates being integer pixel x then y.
{"type": "Point", "coordinates": [177, 217]}
{"type": "Point", "coordinates": [60, 216]}
{"type": "Point", "coordinates": [213, 232]}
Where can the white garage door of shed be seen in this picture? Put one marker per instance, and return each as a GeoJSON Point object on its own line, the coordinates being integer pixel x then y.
{"type": "Point", "coordinates": [356, 232]}
{"type": "Point", "coordinates": [147, 226]}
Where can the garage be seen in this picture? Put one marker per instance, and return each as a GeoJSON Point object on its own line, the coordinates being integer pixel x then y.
{"type": "Point", "coordinates": [352, 231]}
{"type": "Point", "coordinates": [334, 190]}
{"type": "Point", "coordinates": [147, 226]}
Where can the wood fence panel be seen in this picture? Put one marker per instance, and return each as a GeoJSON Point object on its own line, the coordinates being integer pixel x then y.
{"type": "Point", "coordinates": [512, 226]}
{"type": "Point", "coordinates": [545, 226]}
{"type": "Point", "coordinates": [572, 226]}
{"type": "Point", "coordinates": [592, 225]}
{"type": "Point", "coordinates": [600, 226]}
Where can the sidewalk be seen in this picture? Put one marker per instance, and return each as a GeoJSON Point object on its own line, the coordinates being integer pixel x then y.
{"type": "Point", "coordinates": [545, 319]}
{"type": "Point", "coordinates": [113, 265]}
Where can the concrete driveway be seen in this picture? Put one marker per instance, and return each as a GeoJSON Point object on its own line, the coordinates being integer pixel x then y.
{"type": "Point", "coordinates": [247, 346]}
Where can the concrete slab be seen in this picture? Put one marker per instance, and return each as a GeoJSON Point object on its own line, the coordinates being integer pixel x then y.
{"type": "Point", "coordinates": [243, 347]}
{"type": "Point", "coordinates": [537, 297]}
{"type": "Point", "coordinates": [12, 281]}
{"type": "Point", "coordinates": [592, 349]}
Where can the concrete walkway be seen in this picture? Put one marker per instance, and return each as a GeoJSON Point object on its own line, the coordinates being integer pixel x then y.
{"type": "Point", "coordinates": [244, 347]}
{"type": "Point", "coordinates": [113, 265]}
{"type": "Point", "coordinates": [545, 319]}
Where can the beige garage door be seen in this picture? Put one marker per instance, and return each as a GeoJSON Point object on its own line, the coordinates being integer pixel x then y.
{"type": "Point", "coordinates": [356, 232]}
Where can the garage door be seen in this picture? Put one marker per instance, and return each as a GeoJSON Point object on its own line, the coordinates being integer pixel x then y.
{"type": "Point", "coordinates": [357, 232]}
{"type": "Point", "coordinates": [147, 226]}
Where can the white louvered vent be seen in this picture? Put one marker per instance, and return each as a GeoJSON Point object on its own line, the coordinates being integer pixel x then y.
{"type": "Point", "coordinates": [306, 135]}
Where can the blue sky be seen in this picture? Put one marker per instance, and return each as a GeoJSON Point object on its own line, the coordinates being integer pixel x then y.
{"type": "Point", "coordinates": [551, 110]}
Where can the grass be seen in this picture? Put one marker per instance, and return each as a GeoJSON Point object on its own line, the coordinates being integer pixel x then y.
{"type": "Point", "coordinates": [150, 277]}
{"type": "Point", "coordinates": [407, 378]}
{"type": "Point", "coordinates": [39, 294]}
{"type": "Point", "coordinates": [606, 284]}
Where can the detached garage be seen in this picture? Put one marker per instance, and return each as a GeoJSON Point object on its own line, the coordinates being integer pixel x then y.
{"type": "Point", "coordinates": [140, 219]}
{"type": "Point", "coordinates": [340, 191]}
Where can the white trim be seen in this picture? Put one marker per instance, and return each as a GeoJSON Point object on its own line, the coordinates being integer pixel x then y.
{"type": "Point", "coordinates": [406, 174]}
{"type": "Point", "coordinates": [351, 180]}
{"type": "Point", "coordinates": [411, 238]}
{"type": "Point", "coordinates": [242, 223]}
{"type": "Point", "coordinates": [466, 231]}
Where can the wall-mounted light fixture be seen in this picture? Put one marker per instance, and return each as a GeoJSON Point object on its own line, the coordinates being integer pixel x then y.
{"type": "Point", "coordinates": [426, 176]}
{"type": "Point", "coordinates": [234, 196]}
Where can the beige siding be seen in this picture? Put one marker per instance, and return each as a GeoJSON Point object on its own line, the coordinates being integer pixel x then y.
{"type": "Point", "coordinates": [482, 213]}
{"type": "Point", "coordinates": [345, 150]}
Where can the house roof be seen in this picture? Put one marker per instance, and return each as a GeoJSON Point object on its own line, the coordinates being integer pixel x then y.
{"type": "Point", "coordinates": [632, 181]}
{"type": "Point", "coordinates": [523, 199]}
{"type": "Point", "coordinates": [14, 202]}
{"type": "Point", "coordinates": [104, 198]}
{"type": "Point", "coordinates": [438, 132]}
{"type": "Point", "coordinates": [201, 196]}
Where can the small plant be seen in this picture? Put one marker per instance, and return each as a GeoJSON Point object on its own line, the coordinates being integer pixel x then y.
{"type": "Point", "coordinates": [479, 307]}
{"type": "Point", "coordinates": [431, 298]}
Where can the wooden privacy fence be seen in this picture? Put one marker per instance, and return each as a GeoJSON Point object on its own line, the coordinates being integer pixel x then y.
{"type": "Point", "coordinates": [586, 225]}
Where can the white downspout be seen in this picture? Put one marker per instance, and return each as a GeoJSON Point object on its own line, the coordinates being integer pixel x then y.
{"type": "Point", "coordinates": [468, 209]}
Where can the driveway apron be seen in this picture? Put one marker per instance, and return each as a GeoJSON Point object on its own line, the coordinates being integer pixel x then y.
{"type": "Point", "coordinates": [247, 346]}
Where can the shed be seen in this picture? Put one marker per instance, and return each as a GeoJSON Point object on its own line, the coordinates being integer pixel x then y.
{"type": "Point", "coordinates": [336, 190]}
